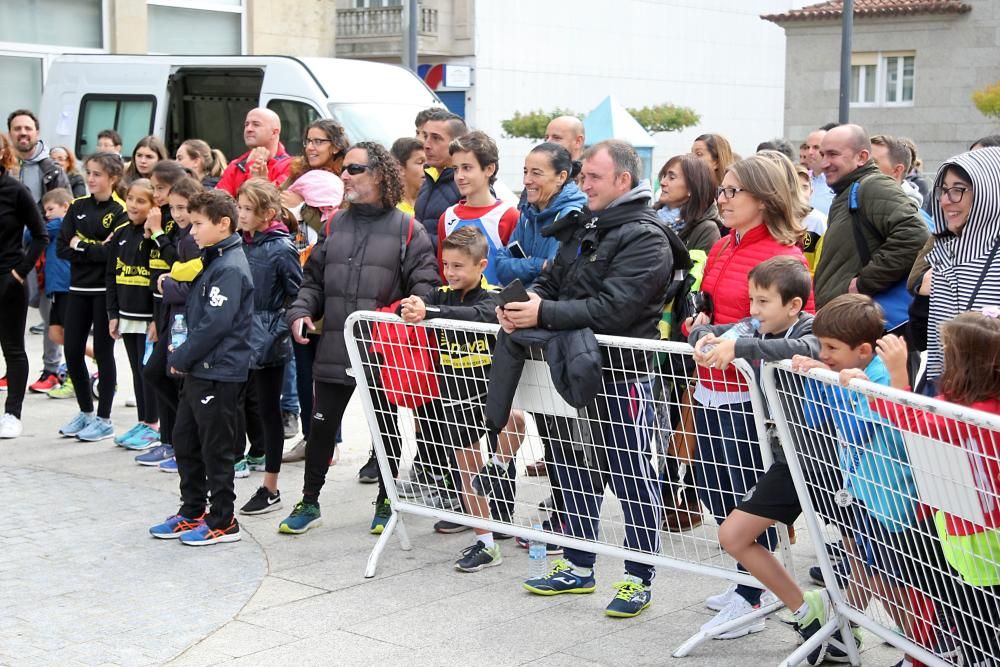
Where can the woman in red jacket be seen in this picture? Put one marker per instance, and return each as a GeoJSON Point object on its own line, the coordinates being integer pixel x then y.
{"type": "Point", "coordinates": [760, 208]}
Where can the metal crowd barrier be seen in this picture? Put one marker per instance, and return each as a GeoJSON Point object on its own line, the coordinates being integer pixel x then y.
{"type": "Point", "coordinates": [657, 409]}
{"type": "Point", "coordinates": [912, 486]}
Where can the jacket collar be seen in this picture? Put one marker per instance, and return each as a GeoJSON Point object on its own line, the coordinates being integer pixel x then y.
{"type": "Point", "coordinates": [212, 253]}
{"type": "Point", "coordinates": [758, 233]}
{"type": "Point", "coordinates": [856, 175]}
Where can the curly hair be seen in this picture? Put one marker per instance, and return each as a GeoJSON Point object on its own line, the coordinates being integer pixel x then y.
{"type": "Point", "coordinates": [334, 131]}
{"type": "Point", "coordinates": [384, 169]}
{"type": "Point", "coordinates": [8, 159]}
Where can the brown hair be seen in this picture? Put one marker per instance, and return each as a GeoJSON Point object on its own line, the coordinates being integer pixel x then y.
{"type": "Point", "coordinates": [215, 205]}
{"type": "Point", "coordinates": [789, 276]}
{"type": "Point", "coordinates": [187, 187]}
{"type": "Point", "coordinates": [853, 319]}
{"type": "Point", "coordinates": [334, 131]}
{"type": "Point", "coordinates": [143, 184]}
{"type": "Point", "coordinates": [71, 167]}
{"type": "Point", "coordinates": [213, 161]}
{"type": "Point", "coordinates": [7, 158]}
{"type": "Point", "coordinates": [720, 150]}
{"type": "Point", "coordinates": [802, 206]}
{"type": "Point", "coordinates": [112, 165]}
{"type": "Point", "coordinates": [265, 197]}
{"type": "Point", "coordinates": [152, 143]}
{"type": "Point", "coordinates": [58, 196]}
{"type": "Point", "coordinates": [971, 358]}
{"type": "Point", "coordinates": [482, 146]}
{"type": "Point", "coordinates": [700, 183]}
{"type": "Point", "coordinates": [470, 240]}
{"type": "Point", "coordinates": [771, 185]}
{"type": "Point", "coordinates": [899, 152]}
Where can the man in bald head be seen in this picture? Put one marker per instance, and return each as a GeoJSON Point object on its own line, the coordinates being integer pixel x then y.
{"type": "Point", "coordinates": [868, 208]}
{"type": "Point", "coordinates": [567, 131]}
{"type": "Point", "coordinates": [265, 159]}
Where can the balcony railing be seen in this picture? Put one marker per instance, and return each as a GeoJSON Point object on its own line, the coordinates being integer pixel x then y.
{"type": "Point", "coordinates": [382, 22]}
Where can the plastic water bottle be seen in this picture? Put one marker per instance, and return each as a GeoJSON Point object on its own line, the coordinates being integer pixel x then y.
{"type": "Point", "coordinates": [179, 331]}
{"type": "Point", "coordinates": [538, 561]}
{"type": "Point", "coordinates": [148, 352]}
{"type": "Point", "coordinates": [742, 329]}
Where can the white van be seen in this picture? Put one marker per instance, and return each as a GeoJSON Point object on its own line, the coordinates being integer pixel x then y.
{"type": "Point", "coordinates": [207, 97]}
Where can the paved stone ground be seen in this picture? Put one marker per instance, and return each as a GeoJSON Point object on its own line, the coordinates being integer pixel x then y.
{"type": "Point", "coordinates": [81, 583]}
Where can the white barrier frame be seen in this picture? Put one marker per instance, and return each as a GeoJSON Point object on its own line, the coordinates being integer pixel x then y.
{"type": "Point", "coordinates": [402, 506]}
{"type": "Point", "coordinates": [843, 613]}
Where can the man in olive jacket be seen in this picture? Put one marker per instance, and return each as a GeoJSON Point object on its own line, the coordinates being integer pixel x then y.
{"type": "Point", "coordinates": [846, 154]}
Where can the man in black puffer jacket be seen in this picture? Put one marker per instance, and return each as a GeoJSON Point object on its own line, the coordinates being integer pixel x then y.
{"type": "Point", "coordinates": [611, 274]}
{"type": "Point", "coordinates": [439, 190]}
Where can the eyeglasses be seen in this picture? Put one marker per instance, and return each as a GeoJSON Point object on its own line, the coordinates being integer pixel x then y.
{"type": "Point", "coordinates": [316, 142]}
{"type": "Point", "coordinates": [730, 192]}
{"type": "Point", "coordinates": [955, 193]}
{"type": "Point", "coordinates": [355, 169]}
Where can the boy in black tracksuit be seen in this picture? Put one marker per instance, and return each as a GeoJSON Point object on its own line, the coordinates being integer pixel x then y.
{"type": "Point", "coordinates": [455, 420]}
{"type": "Point", "coordinates": [215, 358]}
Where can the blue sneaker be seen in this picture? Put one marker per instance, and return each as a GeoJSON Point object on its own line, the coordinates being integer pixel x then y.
{"type": "Point", "coordinates": [630, 600]}
{"type": "Point", "coordinates": [561, 580]}
{"type": "Point", "coordinates": [256, 463]}
{"type": "Point", "coordinates": [76, 425]}
{"type": "Point", "coordinates": [203, 535]}
{"type": "Point", "coordinates": [155, 456]}
{"type": "Point", "coordinates": [241, 469]}
{"type": "Point", "coordinates": [146, 437]}
{"type": "Point", "coordinates": [303, 517]}
{"type": "Point", "coordinates": [170, 465]}
{"type": "Point", "coordinates": [120, 439]}
{"type": "Point", "coordinates": [383, 512]}
{"type": "Point", "coordinates": [175, 526]}
{"type": "Point", "coordinates": [98, 429]}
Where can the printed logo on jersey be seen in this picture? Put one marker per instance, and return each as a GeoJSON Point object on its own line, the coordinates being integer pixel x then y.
{"type": "Point", "coordinates": [216, 298]}
{"type": "Point", "coordinates": [107, 220]}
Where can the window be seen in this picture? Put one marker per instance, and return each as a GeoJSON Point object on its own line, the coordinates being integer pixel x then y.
{"type": "Point", "coordinates": [21, 83]}
{"type": "Point", "coordinates": [882, 79]}
{"type": "Point", "coordinates": [72, 23]}
{"type": "Point", "coordinates": [376, 4]}
{"type": "Point", "coordinates": [130, 115]}
{"type": "Point", "coordinates": [295, 118]}
{"type": "Point", "coordinates": [208, 27]}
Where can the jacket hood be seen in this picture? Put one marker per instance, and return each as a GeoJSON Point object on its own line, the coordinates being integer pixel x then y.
{"type": "Point", "coordinates": [40, 153]}
{"type": "Point", "coordinates": [641, 192]}
{"type": "Point", "coordinates": [570, 198]}
{"type": "Point", "coordinates": [983, 168]}
{"type": "Point", "coordinates": [855, 175]}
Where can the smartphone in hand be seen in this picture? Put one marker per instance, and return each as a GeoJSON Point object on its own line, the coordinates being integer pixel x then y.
{"type": "Point", "coordinates": [513, 292]}
{"type": "Point", "coordinates": [517, 251]}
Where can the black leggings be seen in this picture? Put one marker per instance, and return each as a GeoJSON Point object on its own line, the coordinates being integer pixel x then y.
{"type": "Point", "coordinates": [262, 408]}
{"type": "Point", "coordinates": [166, 388]}
{"type": "Point", "coordinates": [305, 355]}
{"type": "Point", "coordinates": [14, 305]}
{"type": "Point", "coordinates": [328, 413]}
{"type": "Point", "coordinates": [145, 398]}
{"type": "Point", "coordinates": [83, 310]}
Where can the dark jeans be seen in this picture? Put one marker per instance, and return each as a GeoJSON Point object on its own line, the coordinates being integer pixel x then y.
{"type": "Point", "coordinates": [305, 356]}
{"type": "Point", "coordinates": [83, 310]}
{"type": "Point", "coordinates": [166, 388]}
{"type": "Point", "coordinates": [14, 304]}
{"type": "Point", "coordinates": [145, 397]}
{"type": "Point", "coordinates": [203, 445]}
{"type": "Point", "coordinates": [262, 408]}
{"type": "Point", "coordinates": [328, 413]}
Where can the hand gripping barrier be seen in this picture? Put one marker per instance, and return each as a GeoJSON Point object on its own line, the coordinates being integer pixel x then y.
{"type": "Point", "coordinates": [908, 490]}
{"type": "Point", "coordinates": [636, 439]}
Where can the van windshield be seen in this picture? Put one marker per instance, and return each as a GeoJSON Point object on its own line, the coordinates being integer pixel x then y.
{"type": "Point", "coordinates": [383, 123]}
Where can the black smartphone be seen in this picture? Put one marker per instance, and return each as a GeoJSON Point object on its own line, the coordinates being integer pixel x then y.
{"type": "Point", "coordinates": [511, 293]}
{"type": "Point", "coordinates": [700, 302]}
{"type": "Point", "coordinates": [516, 250]}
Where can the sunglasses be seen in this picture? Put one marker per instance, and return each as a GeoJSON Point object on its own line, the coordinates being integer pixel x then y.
{"type": "Point", "coordinates": [355, 169]}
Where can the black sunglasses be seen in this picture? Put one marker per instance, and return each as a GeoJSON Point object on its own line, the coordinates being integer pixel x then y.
{"type": "Point", "coordinates": [355, 169]}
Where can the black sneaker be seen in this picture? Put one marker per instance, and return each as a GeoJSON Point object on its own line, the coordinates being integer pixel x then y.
{"type": "Point", "coordinates": [477, 557]}
{"type": "Point", "coordinates": [449, 527]}
{"type": "Point", "coordinates": [841, 568]}
{"type": "Point", "coordinates": [369, 471]}
{"type": "Point", "coordinates": [262, 502]}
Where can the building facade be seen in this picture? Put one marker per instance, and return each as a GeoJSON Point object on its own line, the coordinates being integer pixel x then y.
{"type": "Point", "coordinates": [914, 67]}
{"type": "Point", "coordinates": [34, 32]}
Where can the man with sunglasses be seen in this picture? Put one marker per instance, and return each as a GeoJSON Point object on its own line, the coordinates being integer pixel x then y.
{"type": "Point", "coordinates": [265, 159]}
{"type": "Point", "coordinates": [875, 230]}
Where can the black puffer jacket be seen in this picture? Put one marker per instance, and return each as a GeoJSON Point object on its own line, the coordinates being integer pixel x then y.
{"type": "Point", "coordinates": [277, 276]}
{"type": "Point", "coordinates": [358, 267]}
{"type": "Point", "coordinates": [435, 196]}
{"type": "Point", "coordinates": [611, 273]}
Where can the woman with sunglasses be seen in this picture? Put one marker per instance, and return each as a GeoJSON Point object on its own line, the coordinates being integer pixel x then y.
{"type": "Point", "coordinates": [313, 200]}
{"type": "Point", "coordinates": [373, 256]}
{"type": "Point", "coordinates": [760, 206]}
{"type": "Point", "coordinates": [966, 211]}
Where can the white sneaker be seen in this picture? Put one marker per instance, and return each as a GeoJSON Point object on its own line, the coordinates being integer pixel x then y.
{"type": "Point", "coordinates": [720, 601]}
{"type": "Point", "coordinates": [735, 609]}
{"type": "Point", "coordinates": [10, 426]}
{"type": "Point", "coordinates": [767, 598]}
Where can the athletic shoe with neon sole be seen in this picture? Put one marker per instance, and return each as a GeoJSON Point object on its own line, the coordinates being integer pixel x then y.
{"type": "Point", "coordinates": [65, 390]}
{"type": "Point", "coordinates": [561, 579]}
{"type": "Point", "coordinates": [303, 517]}
{"type": "Point", "coordinates": [204, 536]}
{"type": "Point", "coordinates": [477, 557]}
{"type": "Point", "coordinates": [175, 526]}
{"type": "Point", "coordinates": [383, 512]}
{"type": "Point", "coordinates": [630, 600]}
{"type": "Point", "coordinates": [816, 617]}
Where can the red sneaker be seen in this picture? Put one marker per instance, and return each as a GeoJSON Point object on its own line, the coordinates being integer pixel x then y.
{"type": "Point", "coordinates": [3, 383]}
{"type": "Point", "coordinates": [46, 383]}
